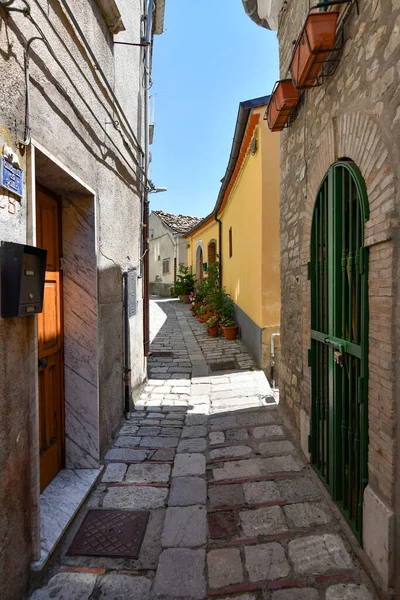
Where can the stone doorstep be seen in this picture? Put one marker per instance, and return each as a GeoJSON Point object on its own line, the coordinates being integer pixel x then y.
{"type": "Point", "coordinates": [280, 584]}
{"type": "Point", "coordinates": [62, 503]}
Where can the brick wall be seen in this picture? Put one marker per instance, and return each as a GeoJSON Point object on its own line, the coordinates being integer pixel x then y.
{"type": "Point", "coordinates": [354, 114]}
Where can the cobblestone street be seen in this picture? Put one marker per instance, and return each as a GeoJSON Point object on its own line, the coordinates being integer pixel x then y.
{"type": "Point", "coordinates": [235, 512]}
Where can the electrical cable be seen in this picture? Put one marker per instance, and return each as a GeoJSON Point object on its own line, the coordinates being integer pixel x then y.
{"type": "Point", "coordinates": [99, 69]}
{"type": "Point", "coordinates": [111, 117]}
{"type": "Point", "coordinates": [28, 130]}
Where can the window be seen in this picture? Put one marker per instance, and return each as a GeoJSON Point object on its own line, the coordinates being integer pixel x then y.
{"type": "Point", "coordinates": [212, 253]}
{"type": "Point", "coordinates": [230, 243]}
{"type": "Point", "coordinates": [165, 266]}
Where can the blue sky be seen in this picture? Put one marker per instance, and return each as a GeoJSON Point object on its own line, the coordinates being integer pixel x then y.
{"type": "Point", "coordinates": [210, 58]}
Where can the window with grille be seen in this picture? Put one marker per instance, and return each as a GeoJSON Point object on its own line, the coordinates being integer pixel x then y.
{"type": "Point", "coordinates": [165, 266]}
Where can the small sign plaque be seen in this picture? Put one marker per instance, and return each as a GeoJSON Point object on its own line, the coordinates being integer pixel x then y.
{"type": "Point", "coordinates": [11, 177]}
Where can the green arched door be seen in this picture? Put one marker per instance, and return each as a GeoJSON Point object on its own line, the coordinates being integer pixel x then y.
{"type": "Point", "coordinates": [339, 338]}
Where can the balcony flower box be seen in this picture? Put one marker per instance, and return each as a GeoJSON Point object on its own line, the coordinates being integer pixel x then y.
{"type": "Point", "coordinates": [283, 99]}
{"type": "Point", "coordinates": [312, 49]}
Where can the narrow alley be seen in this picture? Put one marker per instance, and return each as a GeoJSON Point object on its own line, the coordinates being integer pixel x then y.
{"type": "Point", "coordinates": [227, 505]}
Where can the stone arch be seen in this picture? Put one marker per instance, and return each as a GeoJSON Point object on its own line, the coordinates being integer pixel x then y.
{"type": "Point", "coordinates": [211, 252]}
{"type": "Point", "coordinates": [199, 261]}
{"type": "Point", "coordinates": [358, 137]}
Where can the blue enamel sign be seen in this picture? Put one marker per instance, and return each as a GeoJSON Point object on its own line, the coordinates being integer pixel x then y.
{"type": "Point", "coordinates": [11, 177]}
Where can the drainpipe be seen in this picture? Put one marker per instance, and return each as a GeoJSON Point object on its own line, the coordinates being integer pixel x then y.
{"type": "Point", "coordinates": [273, 336]}
{"type": "Point", "coordinates": [146, 277]}
{"type": "Point", "coordinates": [127, 370]}
{"type": "Point", "coordinates": [219, 246]}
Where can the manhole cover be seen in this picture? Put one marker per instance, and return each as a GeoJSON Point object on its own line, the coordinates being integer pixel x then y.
{"type": "Point", "coordinates": [223, 366]}
{"type": "Point", "coordinates": [162, 354]}
{"type": "Point", "coordinates": [110, 533]}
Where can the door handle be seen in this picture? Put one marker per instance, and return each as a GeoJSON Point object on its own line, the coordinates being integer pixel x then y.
{"type": "Point", "coordinates": [43, 362]}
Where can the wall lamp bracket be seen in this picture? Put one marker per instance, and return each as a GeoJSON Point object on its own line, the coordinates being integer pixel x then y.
{"type": "Point", "coordinates": [131, 44]}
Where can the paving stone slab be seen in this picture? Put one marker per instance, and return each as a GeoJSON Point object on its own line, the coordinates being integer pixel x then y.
{"type": "Point", "coordinates": [194, 431]}
{"type": "Point", "coordinates": [223, 423]}
{"type": "Point", "coordinates": [128, 430]}
{"type": "Point", "coordinates": [135, 498]}
{"type": "Point", "coordinates": [236, 435]}
{"type": "Point", "coordinates": [230, 452]}
{"type": "Point", "coordinates": [180, 574]}
{"type": "Point", "coordinates": [60, 587]}
{"type": "Point", "coordinates": [348, 591]}
{"type": "Point", "coordinates": [317, 554]}
{"type": "Point", "coordinates": [280, 448]}
{"type": "Point", "coordinates": [224, 567]}
{"type": "Point", "coordinates": [159, 442]}
{"type": "Point", "coordinates": [261, 491]}
{"type": "Point", "coordinates": [225, 495]}
{"type": "Point", "coordinates": [299, 487]}
{"type": "Point", "coordinates": [196, 420]}
{"type": "Point", "coordinates": [187, 491]}
{"type": "Point", "coordinates": [251, 467]}
{"type": "Point", "coordinates": [114, 472]}
{"type": "Point", "coordinates": [263, 417]}
{"type": "Point", "coordinates": [307, 514]}
{"type": "Point", "coordinates": [222, 525]}
{"type": "Point", "coordinates": [266, 562]}
{"type": "Point", "coordinates": [148, 473]}
{"type": "Point", "coordinates": [282, 463]}
{"type": "Point", "coordinates": [189, 464]}
{"type": "Point", "coordinates": [118, 587]}
{"type": "Point", "coordinates": [185, 527]}
{"type": "Point", "coordinates": [127, 441]}
{"type": "Point", "coordinates": [164, 454]}
{"type": "Point", "coordinates": [192, 445]}
{"type": "Point", "coordinates": [216, 437]}
{"type": "Point", "coordinates": [296, 594]}
{"type": "Point", "coordinates": [122, 454]}
{"type": "Point", "coordinates": [265, 520]}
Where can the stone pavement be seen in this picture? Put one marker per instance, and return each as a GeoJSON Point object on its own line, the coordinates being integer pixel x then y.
{"type": "Point", "coordinates": [235, 512]}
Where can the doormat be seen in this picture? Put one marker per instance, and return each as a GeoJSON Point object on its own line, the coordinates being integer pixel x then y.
{"type": "Point", "coordinates": [117, 533]}
{"type": "Point", "coordinates": [161, 354]}
{"type": "Point", "coordinates": [223, 366]}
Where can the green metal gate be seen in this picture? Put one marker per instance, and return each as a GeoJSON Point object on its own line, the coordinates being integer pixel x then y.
{"type": "Point", "coordinates": [339, 339]}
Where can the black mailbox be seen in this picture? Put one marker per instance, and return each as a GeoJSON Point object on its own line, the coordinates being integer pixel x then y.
{"type": "Point", "coordinates": [22, 276]}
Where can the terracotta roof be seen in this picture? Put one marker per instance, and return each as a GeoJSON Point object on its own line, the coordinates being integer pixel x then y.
{"type": "Point", "coordinates": [178, 223]}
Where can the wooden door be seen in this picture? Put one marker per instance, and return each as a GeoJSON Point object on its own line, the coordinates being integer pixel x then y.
{"type": "Point", "coordinates": [50, 341]}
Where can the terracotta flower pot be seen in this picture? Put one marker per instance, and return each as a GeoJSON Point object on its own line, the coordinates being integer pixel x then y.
{"type": "Point", "coordinates": [213, 331]}
{"type": "Point", "coordinates": [312, 49]}
{"type": "Point", "coordinates": [283, 99]}
{"type": "Point", "coordinates": [186, 299]}
{"type": "Point", "coordinates": [231, 332]}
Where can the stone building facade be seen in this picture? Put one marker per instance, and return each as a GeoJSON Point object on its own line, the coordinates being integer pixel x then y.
{"type": "Point", "coordinates": [75, 123]}
{"type": "Point", "coordinates": [353, 116]}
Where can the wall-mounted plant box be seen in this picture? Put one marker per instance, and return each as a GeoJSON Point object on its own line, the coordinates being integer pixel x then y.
{"type": "Point", "coordinates": [283, 99]}
{"type": "Point", "coordinates": [312, 49]}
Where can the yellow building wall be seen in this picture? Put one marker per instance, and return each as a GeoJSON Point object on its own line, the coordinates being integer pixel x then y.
{"type": "Point", "coordinates": [241, 273]}
{"type": "Point", "coordinates": [204, 236]}
{"type": "Point", "coordinates": [271, 292]}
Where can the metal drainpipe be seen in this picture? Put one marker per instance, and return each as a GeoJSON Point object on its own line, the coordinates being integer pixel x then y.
{"type": "Point", "coordinates": [146, 278]}
{"type": "Point", "coordinates": [219, 246]}
{"type": "Point", "coordinates": [127, 370]}
{"type": "Point", "coordinates": [273, 336]}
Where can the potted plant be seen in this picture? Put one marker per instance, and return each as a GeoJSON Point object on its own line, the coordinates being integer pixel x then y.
{"type": "Point", "coordinates": [283, 99]}
{"type": "Point", "coordinates": [212, 326]}
{"type": "Point", "coordinates": [184, 285]}
{"type": "Point", "coordinates": [316, 41]}
{"type": "Point", "coordinates": [226, 311]}
{"type": "Point", "coordinates": [230, 329]}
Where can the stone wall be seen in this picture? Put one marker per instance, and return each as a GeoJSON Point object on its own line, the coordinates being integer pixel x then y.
{"type": "Point", "coordinates": [354, 114]}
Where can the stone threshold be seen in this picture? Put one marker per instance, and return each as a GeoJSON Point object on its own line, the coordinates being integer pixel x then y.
{"type": "Point", "coordinates": [59, 503]}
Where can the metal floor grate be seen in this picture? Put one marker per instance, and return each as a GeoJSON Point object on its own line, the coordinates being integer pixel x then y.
{"type": "Point", "coordinates": [165, 354]}
{"type": "Point", "coordinates": [117, 533]}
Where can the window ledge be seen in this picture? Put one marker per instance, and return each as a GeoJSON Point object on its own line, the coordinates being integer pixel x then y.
{"type": "Point", "coordinates": [111, 15]}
